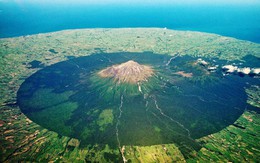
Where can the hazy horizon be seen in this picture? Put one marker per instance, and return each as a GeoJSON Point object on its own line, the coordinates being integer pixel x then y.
{"type": "Point", "coordinates": [237, 19]}
{"type": "Point", "coordinates": [137, 2]}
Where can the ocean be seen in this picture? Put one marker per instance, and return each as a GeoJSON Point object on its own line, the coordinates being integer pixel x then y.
{"type": "Point", "coordinates": [238, 21]}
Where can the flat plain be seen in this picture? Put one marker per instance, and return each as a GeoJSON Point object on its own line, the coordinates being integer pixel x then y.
{"type": "Point", "coordinates": [24, 140]}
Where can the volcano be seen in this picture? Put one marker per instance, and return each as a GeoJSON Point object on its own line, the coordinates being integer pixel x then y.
{"type": "Point", "coordinates": [128, 72]}
{"type": "Point", "coordinates": [125, 99]}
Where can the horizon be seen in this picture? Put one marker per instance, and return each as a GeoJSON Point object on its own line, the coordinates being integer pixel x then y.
{"type": "Point", "coordinates": [237, 19]}
{"type": "Point", "coordinates": [137, 2]}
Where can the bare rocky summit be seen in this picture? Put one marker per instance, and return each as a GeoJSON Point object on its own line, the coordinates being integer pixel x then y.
{"type": "Point", "coordinates": [128, 72]}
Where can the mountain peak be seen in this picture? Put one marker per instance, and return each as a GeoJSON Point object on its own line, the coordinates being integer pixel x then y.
{"type": "Point", "coordinates": [128, 72]}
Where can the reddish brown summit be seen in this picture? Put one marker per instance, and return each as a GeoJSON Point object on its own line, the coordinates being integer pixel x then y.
{"type": "Point", "coordinates": [128, 72]}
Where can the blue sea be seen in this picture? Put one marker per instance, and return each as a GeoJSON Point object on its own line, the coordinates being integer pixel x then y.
{"type": "Point", "coordinates": [238, 21]}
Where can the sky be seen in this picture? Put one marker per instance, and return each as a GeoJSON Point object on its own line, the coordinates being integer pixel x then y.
{"type": "Point", "coordinates": [138, 1]}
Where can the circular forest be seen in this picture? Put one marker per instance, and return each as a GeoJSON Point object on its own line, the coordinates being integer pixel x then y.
{"type": "Point", "coordinates": [136, 98]}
